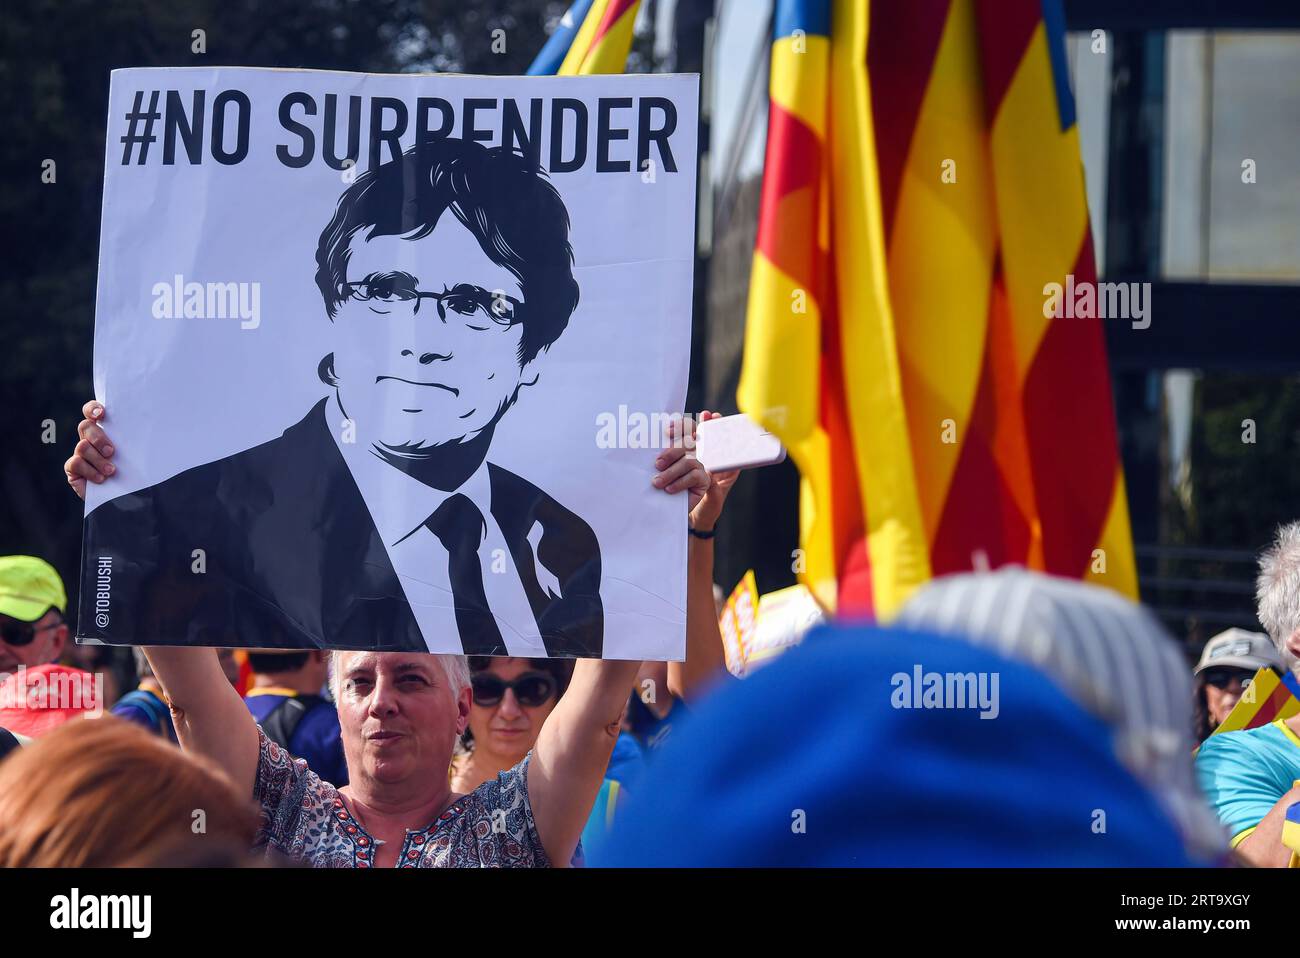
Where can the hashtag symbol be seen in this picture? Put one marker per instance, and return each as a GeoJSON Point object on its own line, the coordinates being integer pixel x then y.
{"type": "Point", "coordinates": [133, 120]}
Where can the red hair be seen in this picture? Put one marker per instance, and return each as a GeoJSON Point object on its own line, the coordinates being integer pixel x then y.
{"type": "Point", "coordinates": [102, 792]}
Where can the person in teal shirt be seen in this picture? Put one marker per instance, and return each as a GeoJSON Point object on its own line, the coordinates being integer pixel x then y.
{"type": "Point", "coordinates": [1247, 774]}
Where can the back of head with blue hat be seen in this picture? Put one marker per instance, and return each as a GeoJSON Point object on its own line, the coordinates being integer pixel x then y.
{"type": "Point", "coordinates": [824, 758]}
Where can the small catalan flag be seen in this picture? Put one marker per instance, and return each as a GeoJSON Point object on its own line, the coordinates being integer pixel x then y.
{"type": "Point", "coordinates": [1267, 699]}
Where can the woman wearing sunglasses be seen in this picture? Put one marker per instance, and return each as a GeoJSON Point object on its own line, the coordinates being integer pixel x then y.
{"type": "Point", "coordinates": [512, 698]}
{"type": "Point", "coordinates": [1228, 663]}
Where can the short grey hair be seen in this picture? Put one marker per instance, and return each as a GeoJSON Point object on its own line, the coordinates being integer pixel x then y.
{"type": "Point", "coordinates": [1277, 588]}
{"type": "Point", "coordinates": [454, 667]}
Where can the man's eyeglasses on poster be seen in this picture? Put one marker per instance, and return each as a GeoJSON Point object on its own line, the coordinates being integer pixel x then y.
{"type": "Point", "coordinates": [477, 308]}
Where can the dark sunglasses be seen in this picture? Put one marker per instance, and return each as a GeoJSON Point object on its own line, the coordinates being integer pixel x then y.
{"type": "Point", "coordinates": [22, 633]}
{"type": "Point", "coordinates": [1222, 678]}
{"type": "Point", "coordinates": [531, 689]}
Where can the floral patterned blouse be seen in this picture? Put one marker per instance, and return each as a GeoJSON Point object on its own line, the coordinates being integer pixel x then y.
{"type": "Point", "coordinates": [305, 819]}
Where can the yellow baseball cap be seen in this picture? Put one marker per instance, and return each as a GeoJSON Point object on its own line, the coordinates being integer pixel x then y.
{"type": "Point", "coordinates": [28, 587]}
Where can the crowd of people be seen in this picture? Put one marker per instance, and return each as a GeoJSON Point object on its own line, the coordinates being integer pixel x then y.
{"type": "Point", "coordinates": [1063, 726]}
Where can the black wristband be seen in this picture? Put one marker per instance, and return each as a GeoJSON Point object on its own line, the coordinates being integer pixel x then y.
{"type": "Point", "coordinates": [702, 535]}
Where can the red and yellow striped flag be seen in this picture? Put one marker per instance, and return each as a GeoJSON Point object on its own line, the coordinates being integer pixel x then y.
{"type": "Point", "coordinates": [923, 186]}
{"type": "Point", "coordinates": [1265, 700]}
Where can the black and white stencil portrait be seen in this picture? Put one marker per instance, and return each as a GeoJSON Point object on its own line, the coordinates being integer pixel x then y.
{"type": "Point", "coordinates": [361, 337]}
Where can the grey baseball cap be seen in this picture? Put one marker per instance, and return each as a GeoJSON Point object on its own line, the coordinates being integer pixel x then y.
{"type": "Point", "coordinates": [1239, 649]}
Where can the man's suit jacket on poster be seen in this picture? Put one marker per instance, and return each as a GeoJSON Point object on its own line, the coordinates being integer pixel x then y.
{"type": "Point", "coordinates": [293, 559]}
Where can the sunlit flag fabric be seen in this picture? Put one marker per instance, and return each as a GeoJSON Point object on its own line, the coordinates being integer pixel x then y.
{"type": "Point", "coordinates": [594, 36]}
{"type": "Point", "coordinates": [922, 186]}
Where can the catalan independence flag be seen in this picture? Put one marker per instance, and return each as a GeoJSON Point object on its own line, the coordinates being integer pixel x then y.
{"type": "Point", "coordinates": [1266, 699]}
{"type": "Point", "coordinates": [923, 185]}
{"type": "Point", "coordinates": [594, 36]}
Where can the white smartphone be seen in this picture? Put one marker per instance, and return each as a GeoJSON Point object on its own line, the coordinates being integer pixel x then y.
{"type": "Point", "coordinates": [736, 442]}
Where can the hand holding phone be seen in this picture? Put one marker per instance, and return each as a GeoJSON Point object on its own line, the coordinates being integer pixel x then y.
{"type": "Point", "coordinates": [736, 442]}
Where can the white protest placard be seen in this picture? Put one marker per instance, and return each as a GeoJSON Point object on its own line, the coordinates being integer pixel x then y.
{"type": "Point", "coordinates": [360, 340]}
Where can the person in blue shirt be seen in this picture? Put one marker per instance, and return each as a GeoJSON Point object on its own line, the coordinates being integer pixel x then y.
{"type": "Point", "coordinates": [1249, 777]}
{"type": "Point", "coordinates": [653, 707]}
{"type": "Point", "coordinates": [648, 720]}
{"type": "Point", "coordinates": [144, 705]}
{"type": "Point", "coordinates": [286, 701]}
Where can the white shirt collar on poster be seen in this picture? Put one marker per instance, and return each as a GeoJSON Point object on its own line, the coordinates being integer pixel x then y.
{"type": "Point", "coordinates": [400, 505]}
